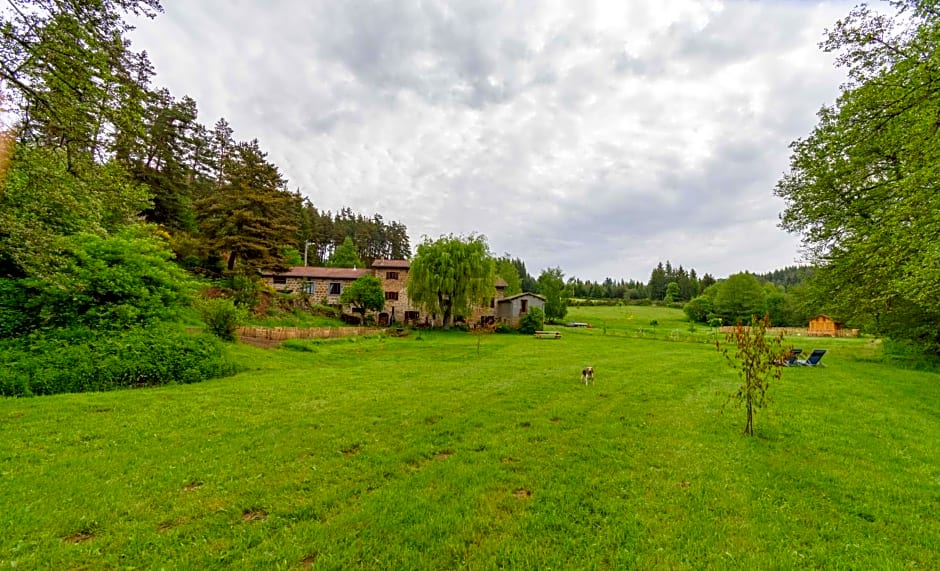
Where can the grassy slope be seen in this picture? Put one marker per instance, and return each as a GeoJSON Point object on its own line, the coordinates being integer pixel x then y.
{"type": "Point", "coordinates": [437, 453]}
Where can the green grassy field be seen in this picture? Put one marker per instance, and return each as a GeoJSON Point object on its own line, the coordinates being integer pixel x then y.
{"type": "Point", "coordinates": [450, 450]}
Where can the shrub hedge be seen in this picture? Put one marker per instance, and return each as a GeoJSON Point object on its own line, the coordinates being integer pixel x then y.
{"type": "Point", "coordinates": [80, 360]}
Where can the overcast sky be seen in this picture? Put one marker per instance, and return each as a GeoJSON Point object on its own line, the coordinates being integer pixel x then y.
{"type": "Point", "coordinates": [598, 137]}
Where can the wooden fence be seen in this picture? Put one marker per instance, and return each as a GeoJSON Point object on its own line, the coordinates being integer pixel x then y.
{"type": "Point", "coordinates": [284, 333]}
{"type": "Point", "coordinates": [801, 332]}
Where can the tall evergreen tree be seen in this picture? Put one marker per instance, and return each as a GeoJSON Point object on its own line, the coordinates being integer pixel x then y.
{"type": "Point", "coordinates": [346, 256]}
{"type": "Point", "coordinates": [252, 218]}
{"type": "Point", "coordinates": [658, 282]}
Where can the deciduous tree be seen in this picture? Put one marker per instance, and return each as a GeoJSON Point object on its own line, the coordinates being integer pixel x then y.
{"type": "Point", "coordinates": [510, 274]}
{"type": "Point", "coordinates": [739, 298]}
{"type": "Point", "coordinates": [758, 358]}
{"type": "Point", "coordinates": [364, 294]}
{"type": "Point", "coordinates": [552, 287]}
{"type": "Point", "coordinates": [863, 188]}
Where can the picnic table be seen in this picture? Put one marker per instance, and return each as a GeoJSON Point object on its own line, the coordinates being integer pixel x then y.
{"type": "Point", "coordinates": [548, 335]}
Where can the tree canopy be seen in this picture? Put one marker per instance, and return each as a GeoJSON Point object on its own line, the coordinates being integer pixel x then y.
{"type": "Point", "coordinates": [450, 275]}
{"type": "Point", "coordinates": [508, 271]}
{"type": "Point", "coordinates": [552, 287]}
{"type": "Point", "coordinates": [345, 256]}
{"type": "Point", "coordinates": [364, 294]}
{"type": "Point", "coordinates": [863, 188]}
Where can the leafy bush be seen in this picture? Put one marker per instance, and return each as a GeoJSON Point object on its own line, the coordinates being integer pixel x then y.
{"type": "Point", "coordinates": [80, 360]}
{"type": "Point", "coordinates": [246, 290]}
{"type": "Point", "coordinates": [698, 309]}
{"type": "Point", "coordinates": [222, 317]}
{"type": "Point", "coordinates": [503, 328]}
{"type": "Point", "coordinates": [122, 281]}
{"type": "Point", "coordinates": [532, 321]}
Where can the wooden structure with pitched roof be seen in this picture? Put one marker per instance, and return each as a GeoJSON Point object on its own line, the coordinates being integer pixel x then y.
{"type": "Point", "coordinates": [824, 326]}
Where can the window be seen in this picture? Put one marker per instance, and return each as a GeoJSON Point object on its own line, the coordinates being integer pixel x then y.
{"type": "Point", "coordinates": [310, 287]}
{"type": "Point", "coordinates": [391, 276]}
{"type": "Point", "coordinates": [525, 305]}
{"type": "Point", "coordinates": [280, 280]}
{"type": "Point", "coordinates": [391, 296]}
{"type": "Point", "coordinates": [336, 288]}
{"type": "Point", "coordinates": [492, 302]}
{"type": "Point", "coordinates": [411, 316]}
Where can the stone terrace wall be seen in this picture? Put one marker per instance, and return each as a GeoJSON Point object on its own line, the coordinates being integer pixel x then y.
{"type": "Point", "coordinates": [284, 333]}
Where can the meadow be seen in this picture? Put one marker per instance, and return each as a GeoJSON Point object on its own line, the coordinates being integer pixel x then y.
{"type": "Point", "coordinates": [449, 450]}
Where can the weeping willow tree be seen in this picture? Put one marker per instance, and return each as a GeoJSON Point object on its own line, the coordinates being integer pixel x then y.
{"type": "Point", "coordinates": [450, 275]}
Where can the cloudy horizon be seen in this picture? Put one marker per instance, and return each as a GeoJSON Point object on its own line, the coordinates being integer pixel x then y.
{"type": "Point", "coordinates": [601, 138]}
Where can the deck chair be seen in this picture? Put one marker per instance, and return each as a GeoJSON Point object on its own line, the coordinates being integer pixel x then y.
{"type": "Point", "coordinates": [791, 358]}
{"type": "Point", "coordinates": [813, 360]}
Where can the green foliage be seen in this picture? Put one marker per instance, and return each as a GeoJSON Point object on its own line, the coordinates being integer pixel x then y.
{"type": "Point", "coordinates": [739, 298]}
{"type": "Point", "coordinates": [116, 282]}
{"type": "Point", "coordinates": [252, 216]}
{"type": "Point", "coordinates": [81, 360]}
{"type": "Point", "coordinates": [221, 316]}
{"type": "Point", "coordinates": [450, 275]}
{"type": "Point", "coordinates": [364, 294]}
{"type": "Point", "coordinates": [507, 270]}
{"type": "Point", "coordinates": [672, 292]}
{"type": "Point", "coordinates": [68, 69]}
{"type": "Point", "coordinates": [552, 287]}
{"type": "Point", "coordinates": [246, 289]}
{"type": "Point", "coordinates": [41, 202]}
{"type": "Point", "coordinates": [863, 188]}
{"type": "Point", "coordinates": [292, 257]}
{"type": "Point", "coordinates": [532, 321]}
{"type": "Point", "coordinates": [346, 255]}
{"type": "Point", "coordinates": [322, 233]}
{"type": "Point", "coordinates": [699, 309]}
{"type": "Point", "coordinates": [758, 359]}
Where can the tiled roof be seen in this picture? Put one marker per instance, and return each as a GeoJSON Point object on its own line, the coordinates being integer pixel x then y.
{"type": "Point", "coordinates": [500, 282]}
{"type": "Point", "coordinates": [322, 273]}
{"type": "Point", "coordinates": [399, 264]}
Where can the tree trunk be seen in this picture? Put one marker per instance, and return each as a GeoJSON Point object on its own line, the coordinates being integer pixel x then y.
{"type": "Point", "coordinates": [749, 427]}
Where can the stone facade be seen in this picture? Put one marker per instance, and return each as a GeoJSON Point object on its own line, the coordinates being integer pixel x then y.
{"type": "Point", "coordinates": [324, 285]}
{"type": "Point", "coordinates": [321, 285]}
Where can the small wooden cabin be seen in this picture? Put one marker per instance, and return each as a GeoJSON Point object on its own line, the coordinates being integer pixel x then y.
{"type": "Point", "coordinates": [824, 326]}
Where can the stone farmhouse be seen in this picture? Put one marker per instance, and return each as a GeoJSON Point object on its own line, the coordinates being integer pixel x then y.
{"type": "Point", "coordinates": [325, 285]}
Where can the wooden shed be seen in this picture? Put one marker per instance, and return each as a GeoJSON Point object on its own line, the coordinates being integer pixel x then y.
{"type": "Point", "coordinates": [824, 326]}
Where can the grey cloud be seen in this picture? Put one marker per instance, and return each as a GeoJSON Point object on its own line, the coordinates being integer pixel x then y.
{"type": "Point", "coordinates": [566, 136]}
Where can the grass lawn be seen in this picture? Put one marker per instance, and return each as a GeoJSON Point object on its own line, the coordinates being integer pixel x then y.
{"type": "Point", "coordinates": [450, 450]}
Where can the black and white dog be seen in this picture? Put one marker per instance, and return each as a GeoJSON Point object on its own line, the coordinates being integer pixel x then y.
{"type": "Point", "coordinates": [587, 375]}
